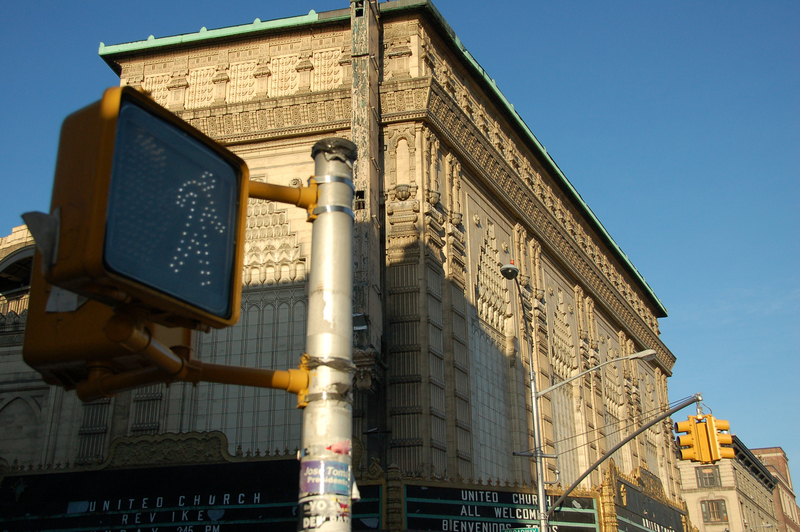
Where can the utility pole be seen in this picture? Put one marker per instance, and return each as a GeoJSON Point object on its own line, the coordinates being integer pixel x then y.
{"type": "Point", "coordinates": [326, 484]}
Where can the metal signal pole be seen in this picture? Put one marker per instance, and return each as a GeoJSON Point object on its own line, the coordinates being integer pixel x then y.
{"type": "Point", "coordinates": [326, 485]}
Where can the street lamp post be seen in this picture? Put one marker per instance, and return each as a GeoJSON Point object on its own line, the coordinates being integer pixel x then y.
{"type": "Point", "coordinates": [510, 272]}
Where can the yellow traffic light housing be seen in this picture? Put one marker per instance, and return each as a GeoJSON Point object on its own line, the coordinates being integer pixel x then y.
{"type": "Point", "coordinates": [151, 214]}
{"type": "Point", "coordinates": [687, 443]}
{"type": "Point", "coordinates": [719, 442]}
{"type": "Point", "coordinates": [694, 445]}
{"type": "Point", "coordinates": [703, 441]}
{"type": "Point", "coordinates": [144, 242]}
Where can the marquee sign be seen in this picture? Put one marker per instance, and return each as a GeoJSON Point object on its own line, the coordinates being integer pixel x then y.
{"type": "Point", "coordinates": [478, 510]}
{"type": "Point", "coordinates": [637, 512]}
{"type": "Point", "coordinates": [230, 497]}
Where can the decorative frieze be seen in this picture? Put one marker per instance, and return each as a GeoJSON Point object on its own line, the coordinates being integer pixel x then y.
{"type": "Point", "coordinates": [327, 70]}
{"type": "Point", "coordinates": [491, 288]}
{"type": "Point", "coordinates": [220, 75]}
{"type": "Point", "coordinates": [265, 119]}
{"type": "Point", "coordinates": [549, 217]}
{"type": "Point", "coordinates": [272, 252]}
{"type": "Point", "coordinates": [242, 86]}
{"type": "Point", "coordinates": [200, 92]}
{"type": "Point", "coordinates": [157, 87]}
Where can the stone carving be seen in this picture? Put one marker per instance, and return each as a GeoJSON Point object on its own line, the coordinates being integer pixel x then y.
{"type": "Point", "coordinates": [369, 369]}
{"type": "Point", "coordinates": [242, 86]}
{"type": "Point", "coordinates": [284, 80]}
{"type": "Point", "coordinates": [177, 90]}
{"type": "Point", "coordinates": [12, 324]}
{"type": "Point", "coordinates": [454, 188]}
{"type": "Point", "coordinates": [261, 74]}
{"type": "Point", "coordinates": [346, 63]}
{"type": "Point", "coordinates": [327, 70]}
{"type": "Point", "coordinates": [157, 87]}
{"type": "Point", "coordinates": [520, 254]}
{"type": "Point", "coordinates": [304, 69]}
{"type": "Point", "coordinates": [491, 290]}
{"type": "Point", "coordinates": [402, 192]}
{"type": "Point", "coordinates": [554, 222]}
{"type": "Point", "coordinates": [200, 92]}
{"type": "Point", "coordinates": [397, 56]}
{"type": "Point", "coordinates": [327, 112]}
{"type": "Point", "coordinates": [166, 449]}
{"type": "Point", "coordinates": [401, 208]}
{"type": "Point", "coordinates": [272, 252]}
{"type": "Point", "coordinates": [563, 360]}
{"type": "Point", "coordinates": [402, 233]}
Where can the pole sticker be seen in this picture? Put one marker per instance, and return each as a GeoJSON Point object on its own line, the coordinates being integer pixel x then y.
{"type": "Point", "coordinates": [320, 476]}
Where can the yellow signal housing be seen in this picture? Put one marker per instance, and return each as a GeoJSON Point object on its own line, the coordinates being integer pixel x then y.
{"type": "Point", "coordinates": [144, 243]}
{"type": "Point", "coordinates": [694, 446]}
{"type": "Point", "coordinates": [688, 442]}
{"type": "Point", "coordinates": [151, 214]}
{"type": "Point", "coordinates": [720, 443]}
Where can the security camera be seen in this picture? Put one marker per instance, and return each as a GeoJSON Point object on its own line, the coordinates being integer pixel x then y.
{"type": "Point", "coordinates": [509, 271]}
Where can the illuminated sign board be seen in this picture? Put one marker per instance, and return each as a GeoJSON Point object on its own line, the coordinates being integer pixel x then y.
{"type": "Point", "coordinates": [479, 510]}
{"type": "Point", "coordinates": [233, 497]}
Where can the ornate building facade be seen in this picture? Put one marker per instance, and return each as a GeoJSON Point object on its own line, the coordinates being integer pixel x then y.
{"type": "Point", "coordinates": [450, 186]}
{"type": "Point", "coordinates": [731, 494]}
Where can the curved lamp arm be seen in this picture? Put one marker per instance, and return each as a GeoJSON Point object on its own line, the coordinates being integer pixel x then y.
{"type": "Point", "coordinates": [646, 355]}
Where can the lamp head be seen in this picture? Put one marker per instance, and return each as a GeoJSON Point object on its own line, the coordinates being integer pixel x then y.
{"type": "Point", "coordinates": [647, 355]}
{"type": "Point", "coordinates": [509, 271]}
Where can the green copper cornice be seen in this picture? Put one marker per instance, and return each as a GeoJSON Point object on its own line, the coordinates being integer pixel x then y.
{"type": "Point", "coordinates": [152, 43]}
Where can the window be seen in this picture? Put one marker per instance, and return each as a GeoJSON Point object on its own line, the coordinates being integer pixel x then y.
{"type": "Point", "coordinates": [707, 477]}
{"type": "Point", "coordinates": [714, 511]}
{"type": "Point", "coordinates": [361, 200]}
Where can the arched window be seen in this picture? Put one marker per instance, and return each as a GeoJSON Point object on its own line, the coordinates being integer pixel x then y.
{"type": "Point", "coordinates": [15, 280]}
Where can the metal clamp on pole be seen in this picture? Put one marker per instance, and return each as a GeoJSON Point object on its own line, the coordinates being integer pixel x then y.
{"type": "Point", "coordinates": [325, 496]}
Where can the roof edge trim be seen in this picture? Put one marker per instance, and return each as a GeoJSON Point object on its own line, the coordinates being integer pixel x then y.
{"type": "Point", "coordinates": [204, 34]}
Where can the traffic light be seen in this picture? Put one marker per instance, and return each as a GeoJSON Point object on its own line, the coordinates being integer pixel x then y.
{"type": "Point", "coordinates": [150, 214]}
{"type": "Point", "coordinates": [694, 445]}
{"type": "Point", "coordinates": [719, 439]}
{"type": "Point", "coordinates": [145, 242]}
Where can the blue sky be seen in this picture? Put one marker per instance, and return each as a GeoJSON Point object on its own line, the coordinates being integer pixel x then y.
{"type": "Point", "coordinates": [678, 122]}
